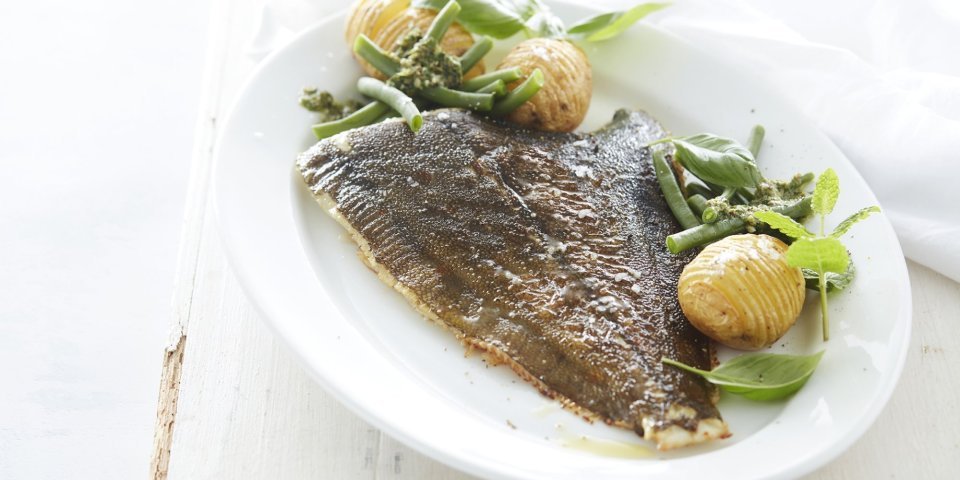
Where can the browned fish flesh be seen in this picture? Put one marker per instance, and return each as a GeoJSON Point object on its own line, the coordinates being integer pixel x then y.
{"type": "Point", "coordinates": [545, 250]}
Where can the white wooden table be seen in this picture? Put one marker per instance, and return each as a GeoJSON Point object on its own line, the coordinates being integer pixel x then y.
{"type": "Point", "coordinates": [97, 109]}
{"type": "Point", "coordinates": [234, 403]}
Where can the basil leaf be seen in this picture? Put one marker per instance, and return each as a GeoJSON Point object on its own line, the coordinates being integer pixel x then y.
{"type": "Point", "coordinates": [544, 23]}
{"type": "Point", "coordinates": [835, 281]}
{"type": "Point", "coordinates": [592, 24]}
{"type": "Point", "coordinates": [494, 18]}
{"type": "Point", "coordinates": [609, 25]}
{"type": "Point", "coordinates": [853, 219]}
{"type": "Point", "coordinates": [826, 192]}
{"type": "Point", "coordinates": [717, 160]}
{"type": "Point", "coordinates": [759, 376]}
{"type": "Point", "coordinates": [785, 224]}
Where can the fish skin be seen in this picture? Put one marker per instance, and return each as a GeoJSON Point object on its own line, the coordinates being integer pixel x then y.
{"type": "Point", "coordinates": [544, 249]}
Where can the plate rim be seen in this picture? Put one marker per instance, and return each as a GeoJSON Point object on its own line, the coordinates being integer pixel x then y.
{"type": "Point", "coordinates": [460, 462]}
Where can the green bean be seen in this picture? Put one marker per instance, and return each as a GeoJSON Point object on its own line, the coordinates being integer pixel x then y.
{"type": "Point", "coordinates": [700, 189]}
{"type": "Point", "coordinates": [507, 75]}
{"type": "Point", "coordinates": [519, 95]}
{"type": "Point", "coordinates": [728, 193]}
{"type": "Point", "coordinates": [476, 52]}
{"type": "Point", "coordinates": [697, 203]}
{"type": "Point", "coordinates": [497, 88]}
{"type": "Point", "coordinates": [671, 192]}
{"type": "Point", "coordinates": [703, 234]}
{"type": "Point", "coordinates": [482, 102]}
{"type": "Point", "coordinates": [386, 116]}
{"type": "Point", "coordinates": [364, 116]}
{"type": "Point", "coordinates": [423, 103]}
{"type": "Point", "coordinates": [710, 232]}
{"type": "Point", "coordinates": [756, 140]}
{"type": "Point", "coordinates": [375, 56]}
{"type": "Point", "coordinates": [711, 214]}
{"type": "Point", "coordinates": [396, 99]}
{"type": "Point", "coordinates": [716, 189]}
{"type": "Point", "coordinates": [798, 209]}
{"type": "Point", "coordinates": [443, 20]}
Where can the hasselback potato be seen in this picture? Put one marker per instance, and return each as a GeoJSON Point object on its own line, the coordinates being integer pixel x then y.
{"type": "Point", "coordinates": [387, 21]}
{"type": "Point", "coordinates": [740, 291]}
{"type": "Point", "coordinates": [562, 103]}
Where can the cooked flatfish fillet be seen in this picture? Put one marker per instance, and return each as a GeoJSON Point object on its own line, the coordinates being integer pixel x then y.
{"type": "Point", "coordinates": [544, 250]}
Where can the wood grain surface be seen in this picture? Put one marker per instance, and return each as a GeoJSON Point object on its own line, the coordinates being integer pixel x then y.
{"type": "Point", "coordinates": [234, 403]}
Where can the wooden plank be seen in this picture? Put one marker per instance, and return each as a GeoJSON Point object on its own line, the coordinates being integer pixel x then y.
{"type": "Point", "coordinates": [234, 387]}
{"type": "Point", "coordinates": [246, 409]}
{"type": "Point", "coordinates": [400, 462]}
{"type": "Point", "coordinates": [219, 42]}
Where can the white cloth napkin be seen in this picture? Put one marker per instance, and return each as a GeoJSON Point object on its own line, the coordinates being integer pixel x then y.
{"type": "Point", "coordinates": [880, 77]}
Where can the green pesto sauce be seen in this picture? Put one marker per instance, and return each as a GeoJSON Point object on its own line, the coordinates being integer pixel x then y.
{"type": "Point", "coordinates": [423, 65]}
{"type": "Point", "coordinates": [769, 194]}
{"type": "Point", "coordinates": [327, 106]}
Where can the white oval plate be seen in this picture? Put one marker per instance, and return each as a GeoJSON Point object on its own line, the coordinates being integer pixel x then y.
{"type": "Point", "coordinates": [368, 348]}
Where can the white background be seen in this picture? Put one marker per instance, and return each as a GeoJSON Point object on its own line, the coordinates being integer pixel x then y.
{"type": "Point", "coordinates": [98, 107]}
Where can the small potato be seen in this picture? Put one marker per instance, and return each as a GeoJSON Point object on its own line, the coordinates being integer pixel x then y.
{"type": "Point", "coordinates": [387, 21]}
{"type": "Point", "coordinates": [562, 103]}
{"type": "Point", "coordinates": [368, 16]}
{"type": "Point", "coordinates": [741, 292]}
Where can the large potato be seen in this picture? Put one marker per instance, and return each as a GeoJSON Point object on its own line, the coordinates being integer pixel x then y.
{"type": "Point", "coordinates": [562, 103]}
{"type": "Point", "coordinates": [741, 292]}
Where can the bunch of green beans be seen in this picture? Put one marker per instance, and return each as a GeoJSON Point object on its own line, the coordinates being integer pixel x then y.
{"type": "Point", "coordinates": [484, 93]}
{"type": "Point", "coordinates": [702, 223]}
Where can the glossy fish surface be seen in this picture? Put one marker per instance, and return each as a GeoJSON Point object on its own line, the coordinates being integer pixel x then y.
{"type": "Point", "coordinates": [544, 250]}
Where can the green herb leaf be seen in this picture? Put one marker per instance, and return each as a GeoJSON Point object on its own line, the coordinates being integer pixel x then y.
{"type": "Point", "coordinates": [717, 160]}
{"type": "Point", "coordinates": [853, 219]}
{"type": "Point", "coordinates": [835, 281]}
{"type": "Point", "coordinates": [820, 254]}
{"type": "Point", "coordinates": [544, 23]}
{"type": "Point", "coordinates": [826, 192]}
{"type": "Point", "coordinates": [824, 261]}
{"type": "Point", "coordinates": [785, 224]}
{"type": "Point", "coordinates": [494, 18]}
{"type": "Point", "coordinates": [759, 376]}
{"type": "Point", "coordinates": [609, 25]}
{"type": "Point", "coordinates": [502, 18]}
